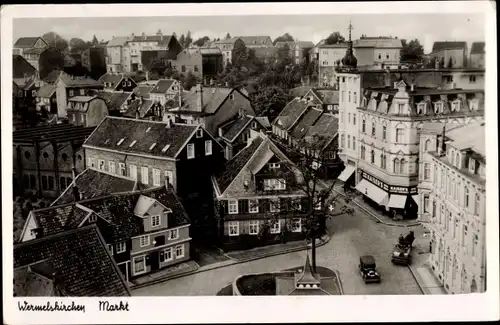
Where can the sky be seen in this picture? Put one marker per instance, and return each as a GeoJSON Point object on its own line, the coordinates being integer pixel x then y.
{"type": "Point", "coordinates": [428, 28]}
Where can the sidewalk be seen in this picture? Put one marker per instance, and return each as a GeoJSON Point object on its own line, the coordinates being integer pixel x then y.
{"type": "Point", "coordinates": [426, 280]}
{"type": "Point", "coordinates": [175, 271]}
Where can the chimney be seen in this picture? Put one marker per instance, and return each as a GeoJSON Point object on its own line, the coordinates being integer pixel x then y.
{"type": "Point", "coordinates": [199, 97]}
{"type": "Point", "coordinates": [147, 75]}
{"type": "Point", "coordinates": [412, 87]}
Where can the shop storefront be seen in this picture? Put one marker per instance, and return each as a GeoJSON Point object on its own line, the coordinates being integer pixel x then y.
{"type": "Point", "coordinates": [397, 201]}
{"type": "Point", "coordinates": [347, 176]}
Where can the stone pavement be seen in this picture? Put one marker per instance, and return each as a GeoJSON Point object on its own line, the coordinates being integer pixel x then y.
{"type": "Point", "coordinates": [427, 281]}
{"type": "Point", "coordinates": [165, 274]}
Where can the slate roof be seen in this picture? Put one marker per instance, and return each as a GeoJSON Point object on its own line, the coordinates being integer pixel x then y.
{"type": "Point", "coordinates": [113, 78]}
{"type": "Point", "coordinates": [20, 67]}
{"type": "Point", "coordinates": [94, 183]}
{"type": "Point", "coordinates": [328, 97]}
{"type": "Point", "coordinates": [79, 81]}
{"type": "Point", "coordinates": [378, 42]}
{"type": "Point", "coordinates": [477, 48]}
{"type": "Point", "coordinates": [307, 120]}
{"type": "Point", "coordinates": [161, 39]}
{"type": "Point", "coordinates": [29, 283]}
{"type": "Point", "coordinates": [162, 86]}
{"type": "Point", "coordinates": [114, 100]}
{"type": "Point", "coordinates": [212, 99]}
{"type": "Point", "coordinates": [439, 46]}
{"type": "Point", "coordinates": [264, 121]}
{"type": "Point", "coordinates": [53, 76]}
{"type": "Point", "coordinates": [112, 129]}
{"type": "Point", "coordinates": [56, 132]}
{"type": "Point", "coordinates": [238, 126]}
{"type": "Point", "coordinates": [142, 91]}
{"type": "Point", "coordinates": [327, 125]}
{"type": "Point", "coordinates": [81, 261]}
{"type": "Point", "coordinates": [118, 41]}
{"type": "Point", "coordinates": [26, 42]}
{"type": "Point", "coordinates": [259, 40]}
{"type": "Point", "coordinates": [23, 83]}
{"type": "Point", "coordinates": [300, 91]}
{"type": "Point", "coordinates": [56, 219]}
{"type": "Point", "coordinates": [46, 91]}
{"type": "Point", "coordinates": [292, 111]}
{"type": "Point", "coordinates": [233, 166]}
{"type": "Point", "coordinates": [135, 105]}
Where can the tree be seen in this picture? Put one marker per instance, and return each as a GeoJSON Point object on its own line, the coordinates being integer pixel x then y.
{"type": "Point", "coordinates": [304, 174]}
{"type": "Point", "coordinates": [412, 51]}
{"type": "Point", "coordinates": [269, 101]}
{"type": "Point", "coordinates": [188, 40]}
{"type": "Point", "coordinates": [201, 41]}
{"type": "Point", "coordinates": [190, 81]}
{"type": "Point", "coordinates": [182, 40]}
{"type": "Point", "coordinates": [54, 40]}
{"type": "Point", "coordinates": [95, 41]}
{"type": "Point", "coordinates": [228, 36]}
{"type": "Point", "coordinates": [334, 38]}
{"type": "Point", "coordinates": [283, 55]}
{"type": "Point", "coordinates": [50, 59]}
{"type": "Point", "coordinates": [283, 38]}
{"type": "Point", "coordinates": [77, 45]}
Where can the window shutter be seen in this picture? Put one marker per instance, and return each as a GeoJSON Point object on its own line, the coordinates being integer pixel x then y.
{"type": "Point", "coordinates": [224, 207]}
{"type": "Point", "coordinates": [240, 206]}
{"type": "Point", "coordinates": [245, 206]}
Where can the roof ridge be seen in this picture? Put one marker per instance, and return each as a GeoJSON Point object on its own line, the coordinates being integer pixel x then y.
{"type": "Point", "coordinates": [56, 235]}
{"type": "Point", "coordinates": [146, 121]}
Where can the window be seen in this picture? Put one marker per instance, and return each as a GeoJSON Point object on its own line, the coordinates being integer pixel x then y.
{"type": "Point", "coordinates": [274, 165]}
{"type": "Point", "coordinates": [363, 152]}
{"type": "Point", "coordinates": [401, 108]}
{"type": "Point", "coordinates": [372, 156]}
{"type": "Point", "coordinates": [427, 145]}
{"type": "Point", "coordinates": [383, 161]}
{"type": "Point", "coordinates": [466, 197]}
{"type": "Point", "coordinates": [472, 79]}
{"type": "Point", "coordinates": [208, 147]}
{"type": "Point", "coordinates": [274, 184]}
{"type": "Point", "coordinates": [349, 117]}
{"type": "Point", "coordinates": [420, 108]}
{"type": "Point", "coordinates": [342, 140]}
{"type": "Point", "coordinates": [139, 264]}
{"type": "Point", "coordinates": [353, 143]}
{"type": "Point", "coordinates": [111, 166]}
{"type": "Point", "coordinates": [427, 171]}
{"type": "Point", "coordinates": [183, 68]}
{"type": "Point", "coordinates": [384, 132]}
{"type": "Point", "coordinates": [167, 255]}
{"type": "Point", "coordinates": [155, 221]}
{"type": "Point", "coordinates": [132, 169]}
{"type": "Point", "coordinates": [233, 206]}
{"type": "Point", "coordinates": [275, 228]}
{"type": "Point", "coordinates": [348, 141]}
{"type": "Point", "coordinates": [426, 203]}
{"type": "Point", "coordinates": [169, 177]}
{"type": "Point", "coordinates": [121, 247]}
{"type": "Point", "coordinates": [71, 93]}
{"type": "Point", "coordinates": [354, 99]}
{"type": "Point", "coordinates": [349, 98]}
{"type": "Point", "coordinates": [101, 164]}
{"type": "Point", "coordinates": [373, 128]}
{"type": "Point", "coordinates": [173, 234]}
{"type": "Point", "coordinates": [399, 135]}
{"type": "Point", "coordinates": [253, 206]}
{"type": "Point", "coordinates": [274, 205]}
{"type": "Point", "coordinates": [145, 175]}
{"type": "Point", "coordinates": [156, 177]}
{"type": "Point", "coordinates": [438, 107]}
{"type": "Point", "coordinates": [33, 182]}
{"type": "Point", "coordinates": [475, 245]}
{"type": "Point", "coordinates": [190, 151]}
{"type": "Point", "coordinates": [121, 168]}
{"type": "Point", "coordinates": [455, 106]}
{"type": "Point", "coordinates": [144, 241]}
{"type": "Point", "coordinates": [234, 228]}
{"type": "Point", "coordinates": [397, 166]}
{"type": "Point", "coordinates": [464, 235]}
{"type": "Point", "coordinates": [51, 182]}
{"type": "Point", "coordinates": [354, 119]}
{"type": "Point", "coordinates": [254, 227]}
{"type": "Point", "coordinates": [82, 92]}
{"type": "Point", "coordinates": [476, 204]}
{"type": "Point", "coordinates": [199, 133]}
{"type": "Point", "coordinates": [296, 225]}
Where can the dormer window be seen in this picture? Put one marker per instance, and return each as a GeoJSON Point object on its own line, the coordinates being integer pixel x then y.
{"type": "Point", "coordinates": [92, 217]}
{"type": "Point", "coordinates": [274, 165]}
{"type": "Point", "coordinates": [421, 108]}
{"type": "Point", "coordinates": [152, 146]}
{"type": "Point", "coordinates": [148, 129]}
{"type": "Point", "coordinates": [231, 97]}
{"type": "Point", "coordinates": [120, 142]}
{"type": "Point", "coordinates": [132, 144]}
{"type": "Point", "coordinates": [401, 108]}
{"type": "Point", "coordinates": [455, 106]}
{"type": "Point", "coordinates": [438, 107]}
{"type": "Point", "coordinates": [165, 148]}
{"type": "Point", "coordinates": [155, 221]}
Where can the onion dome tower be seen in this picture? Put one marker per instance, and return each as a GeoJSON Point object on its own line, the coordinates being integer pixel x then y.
{"type": "Point", "coordinates": [349, 61]}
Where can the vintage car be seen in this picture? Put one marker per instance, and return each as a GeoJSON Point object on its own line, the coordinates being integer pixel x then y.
{"type": "Point", "coordinates": [367, 269]}
{"type": "Point", "coordinates": [401, 255]}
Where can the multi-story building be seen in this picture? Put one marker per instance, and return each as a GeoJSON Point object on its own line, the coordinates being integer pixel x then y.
{"type": "Point", "coordinates": [450, 54]}
{"type": "Point", "coordinates": [329, 57]}
{"type": "Point", "coordinates": [117, 102]}
{"type": "Point", "coordinates": [203, 63]}
{"type": "Point", "coordinates": [86, 110]}
{"type": "Point", "coordinates": [155, 153]}
{"type": "Point", "coordinates": [235, 133]}
{"type": "Point", "coordinates": [227, 46]}
{"type": "Point", "coordinates": [257, 206]}
{"type": "Point", "coordinates": [452, 185]}
{"type": "Point", "coordinates": [378, 129]}
{"type": "Point", "coordinates": [69, 86]}
{"type": "Point", "coordinates": [477, 55]}
{"type": "Point", "coordinates": [46, 99]}
{"type": "Point", "coordinates": [299, 50]}
{"type": "Point", "coordinates": [210, 107]}
{"type": "Point", "coordinates": [115, 53]}
{"type": "Point", "coordinates": [144, 231]}
{"type": "Point", "coordinates": [165, 90]}
{"type": "Point", "coordinates": [256, 41]}
{"type": "Point", "coordinates": [113, 81]}
{"type": "Point", "coordinates": [30, 48]}
{"type": "Point", "coordinates": [94, 60]}
{"type": "Point", "coordinates": [46, 157]}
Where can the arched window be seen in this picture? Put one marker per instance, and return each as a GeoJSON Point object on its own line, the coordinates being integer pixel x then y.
{"type": "Point", "coordinates": [396, 166]}
{"type": "Point", "coordinates": [404, 164]}
{"type": "Point", "coordinates": [372, 158]}
{"type": "Point", "coordinates": [363, 126]}
{"type": "Point", "coordinates": [427, 145]}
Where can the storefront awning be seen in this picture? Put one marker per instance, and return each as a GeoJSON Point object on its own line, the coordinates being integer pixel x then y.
{"type": "Point", "coordinates": [415, 198]}
{"type": "Point", "coordinates": [375, 193]}
{"type": "Point", "coordinates": [346, 173]}
{"type": "Point", "coordinates": [397, 201]}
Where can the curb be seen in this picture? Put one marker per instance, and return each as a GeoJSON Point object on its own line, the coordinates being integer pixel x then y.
{"type": "Point", "coordinates": [416, 280]}
{"type": "Point", "coordinates": [233, 262]}
{"type": "Point", "coordinates": [372, 215]}
{"type": "Point", "coordinates": [339, 282]}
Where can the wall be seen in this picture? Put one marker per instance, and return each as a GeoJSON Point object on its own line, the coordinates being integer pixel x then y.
{"type": "Point", "coordinates": [476, 61]}
{"type": "Point", "coordinates": [96, 112]}
{"type": "Point", "coordinates": [62, 99]}
{"type": "Point", "coordinates": [191, 62]}
{"type": "Point", "coordinates": [387, 55]}
{"type": "Point", "coordinates": [136, 241]}
{"type": "Point", "coordinates": [364, 55]}
{"type": "Point", "coordinates": [458, 57]}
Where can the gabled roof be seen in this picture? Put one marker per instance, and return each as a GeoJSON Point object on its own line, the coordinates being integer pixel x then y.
{"type": "Point", "coordinates": [477, 48]}
{"type": "Point", "coordinates": [308, 119]}
{"type": "Point", "coordinates": [111, 78]}
{"type": "Point", "coordinates": [26, 42]}
{"type": "Point", "coordinates": [53, 76]}
{"type": "Point", "coordinates": [21, 67]}
{"type": "Point", "coordinates": [118, 41]}
{"type": "Point", "coordinates": [304, 44]}
{"type": "Point", "coordinates": [439, 46]}
{"type": "Point", "coordinates": [326, 126]}
{"type": "Point", "coordinates": [213, 97]}
{"type": "Point", "coordinates": [94, 183]}
{"type": "Point", "coordinates": [231, 40]}
{"type": "Point", "coordinates": [142, 91]}
{"type": "Point", "coordinates": [70, 81]}
{"type": "Point", "coordinates": [46, 91]}
{"type": "Point", "coordinates": [81, 99]}
{"type": "Point", "coordinates": [82, 264]}
{"type": "Point", "coordinates": [114, 100]}
{"type": "Point", "coordinates": [162, 86]}
{"type": "Point", "coordinates": [300, 91]}
{"type": "Point", "coordinates": [24, 83]}
{"type": "Point", "coordinates": [161, 39]}
{"type": "Point", "coordinates": [136, 105]}
{"type": "Point", "coordinates": [255, 40]}
{"type": "Point", "coordinates": [109, 134]}
{"type": "Point", "coordinates": [291, 113]}
{"type": "Point", "coordinates": [327, 96]}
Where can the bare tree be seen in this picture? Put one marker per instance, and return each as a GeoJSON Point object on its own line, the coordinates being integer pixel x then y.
{"type": "Point", "coordinates": [304, 175]}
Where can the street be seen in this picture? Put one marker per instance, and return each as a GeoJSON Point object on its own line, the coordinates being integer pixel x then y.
{"type": "Point", "coordinates": [353, 235]}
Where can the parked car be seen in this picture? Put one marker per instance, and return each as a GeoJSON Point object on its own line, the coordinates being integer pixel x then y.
{"type": "Point", "coordinates": [368, 269]}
